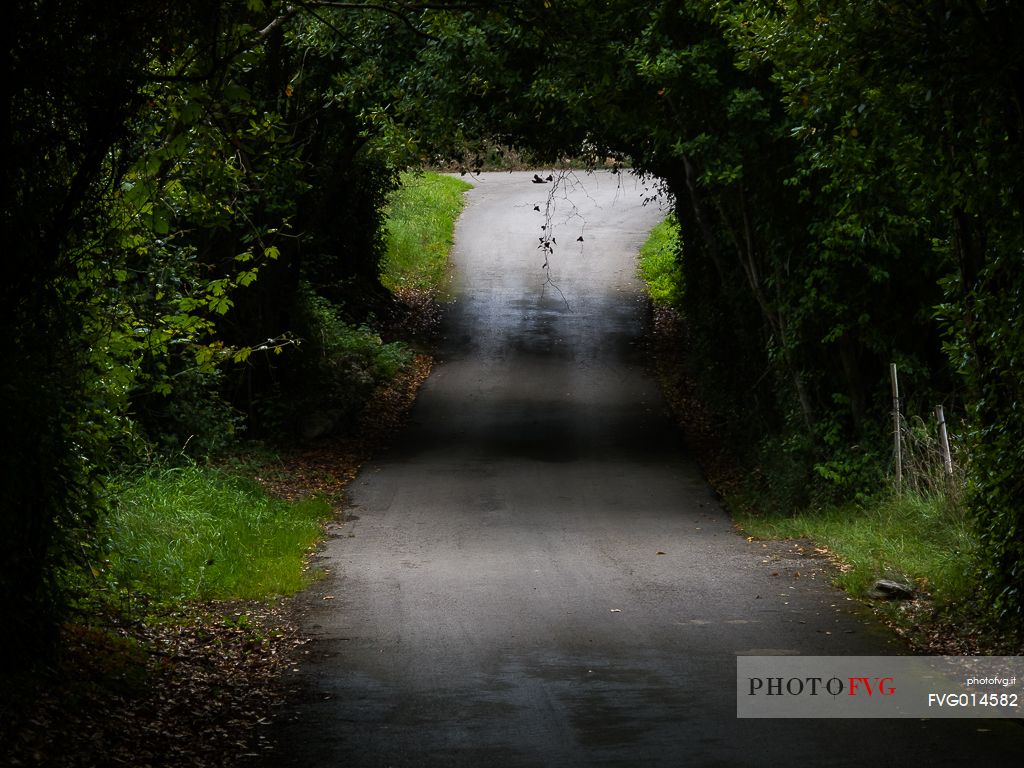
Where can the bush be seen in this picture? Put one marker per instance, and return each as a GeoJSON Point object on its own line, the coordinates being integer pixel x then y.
{"type": "Point", "coordinates": [331, 374]}
{"type": "Point", "coordinates": [192, 419]}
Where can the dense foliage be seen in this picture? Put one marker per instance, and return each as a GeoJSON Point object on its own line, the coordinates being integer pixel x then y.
{"type": "Point", "coordinates": [196, 189]}
{"type": "Point", "coordinates": [847, 180]}
{"type": "Point", "coordinates": [193, 215]}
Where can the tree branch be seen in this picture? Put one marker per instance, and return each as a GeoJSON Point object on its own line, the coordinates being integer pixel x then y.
{"type": "Point", "coordinates": [403, 17]}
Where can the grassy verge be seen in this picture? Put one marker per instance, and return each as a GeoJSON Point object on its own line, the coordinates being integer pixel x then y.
{"type": "Point", "coordinates": [659, 266]}
{"type": "Point", "coordinates": [193, 533]}
{"type": "Point", "coordinates": [921, 541]}
{"type": "Point", "coordinates": [175, 654]}
{"type": "Point", "coordinates": [421, 225]}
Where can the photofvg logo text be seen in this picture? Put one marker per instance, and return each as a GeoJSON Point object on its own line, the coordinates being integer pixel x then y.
{"type": "Point", "coordinates": [815, 686]}
{"type": "Point", "coordinates": [878, 686]}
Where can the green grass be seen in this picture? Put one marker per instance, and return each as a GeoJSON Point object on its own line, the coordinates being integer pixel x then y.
{"type": "Point", "coordinates": [909, 538]}
{"type": "Point", "coordinates": [659, 267]}
{"type": "Point", "coordinates": [420, 229]}
{"type": "Point", "coordinates": [193, 533]}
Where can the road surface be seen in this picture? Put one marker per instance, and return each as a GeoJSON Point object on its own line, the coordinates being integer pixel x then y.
{"type": "Point", "coordinates": [538, 575]}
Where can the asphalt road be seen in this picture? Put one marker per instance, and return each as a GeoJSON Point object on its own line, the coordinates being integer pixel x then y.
{"type": "Point", "coordinates": [538, 575]}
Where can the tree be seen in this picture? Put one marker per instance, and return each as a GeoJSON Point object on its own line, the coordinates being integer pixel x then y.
{"type": "Point", "coordinates": [162, 157]}
{"type": "Point", "coordinates": [73, 88]}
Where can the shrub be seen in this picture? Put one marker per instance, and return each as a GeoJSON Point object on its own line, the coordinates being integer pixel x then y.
{"type": "Point", "coordinates": [331, 374]}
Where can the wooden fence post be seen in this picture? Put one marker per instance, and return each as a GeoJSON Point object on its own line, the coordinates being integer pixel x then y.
{"type": "Point", "coordinates": [947, 457]}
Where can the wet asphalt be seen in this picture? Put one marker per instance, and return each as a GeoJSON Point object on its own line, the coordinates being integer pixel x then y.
{"type": "Point", "coordinates": [537, 574]}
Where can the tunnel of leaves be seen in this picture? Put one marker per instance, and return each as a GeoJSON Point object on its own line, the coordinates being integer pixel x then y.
{"type": "Point", "coordinates": [194, 203]}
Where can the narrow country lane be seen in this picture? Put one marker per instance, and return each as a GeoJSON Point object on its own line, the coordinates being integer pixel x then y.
{"type": "Point", "coordinates": [538, 575]}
